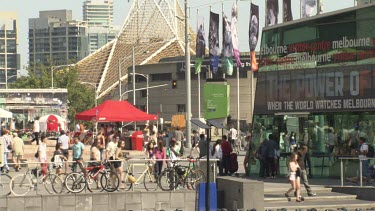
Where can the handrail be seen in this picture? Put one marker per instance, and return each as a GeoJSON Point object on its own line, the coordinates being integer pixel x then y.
{"type": "Point", "coordinates": [360, 168]}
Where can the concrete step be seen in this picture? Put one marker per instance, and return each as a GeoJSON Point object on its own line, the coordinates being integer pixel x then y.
{"type": "Point", "coordinates": [320, 205]}
{"type": "Point", "coordinates": [325, 196]}
{"type": "Point", "coordinates": [282, 190]}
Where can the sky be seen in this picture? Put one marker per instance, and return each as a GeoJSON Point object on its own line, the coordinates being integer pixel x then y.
{"type": "Point", "coordinates": [30, 9]}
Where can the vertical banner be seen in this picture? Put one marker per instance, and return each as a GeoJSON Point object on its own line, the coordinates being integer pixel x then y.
{"type": "Point", "coordinates": [227, 61]}
{"type": "Point", "coordinates": [272, 12]}
{"type": "Point", "coordinates": [200, 44]}
{"type": "Point", "coordinates": [287, 11]}
{"type": "Point", "coordinates": [253, 35]}
{"type": "Point", "coordinates": [213, 35]}
{"type": "Point", "coordinates": [308, 8]}
{"type": "Point", "coordinates": [236, 49]}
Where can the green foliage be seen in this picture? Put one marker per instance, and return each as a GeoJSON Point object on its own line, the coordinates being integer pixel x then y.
{"type": "Point", "coordinates": [81, 97]}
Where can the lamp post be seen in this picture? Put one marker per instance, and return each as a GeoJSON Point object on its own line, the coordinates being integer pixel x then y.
{"type": "Point", "coordinates": [146, 77]}
{"type": "Point", "coordinates": [6, 82]}
{"type": "Point", "coordinates": [96, 93]}
{"type": "Point", "coordinates": [53, 68]}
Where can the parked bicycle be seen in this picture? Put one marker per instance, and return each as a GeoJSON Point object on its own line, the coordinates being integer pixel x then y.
{"type": "Point", "coordinates": [21, 184]}
{"type": "Point", "coordinates": [176, 175]}
{"type": "Point", "coordinates": [149, 180]}
{"type": "Point", "coordinates": [4, 184]}
{"type": "Point", "coordinates": [75, 182]}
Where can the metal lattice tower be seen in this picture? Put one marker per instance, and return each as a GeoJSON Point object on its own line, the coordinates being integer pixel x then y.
{"type": "Point", "coordinates": [155, 26]}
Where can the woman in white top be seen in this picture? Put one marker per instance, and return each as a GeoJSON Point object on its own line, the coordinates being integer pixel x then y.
{"type": "Point", "coordinates": [95, 156]}
{"type": "Point", "coordinates": [217, 153]}
{"type": "Point", "coordinates": [294, 177]}
{"type": "Point", "coordinates": [42, 155]}
{"type": "Point", "coordinates": [174, 150]}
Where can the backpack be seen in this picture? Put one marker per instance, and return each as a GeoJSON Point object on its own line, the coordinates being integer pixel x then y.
{"type": "Point", "coordinates": [370, 152]}
{"type": "Point", "coordinates": [168, 152]}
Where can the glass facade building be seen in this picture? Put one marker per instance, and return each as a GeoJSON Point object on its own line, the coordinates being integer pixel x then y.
{"type": "Point", "coordinates": [317, 79]}
{"type": "Point", "coordinates": [9, 59]}
{"type": "Point", "coordinates": [56, 39]}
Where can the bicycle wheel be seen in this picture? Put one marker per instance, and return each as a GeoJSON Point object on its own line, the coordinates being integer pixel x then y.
{"type": "Point", "coordinates": [53, 183]}
{"type": "Point", "coordinates": [197, 177]}
{"type": "Point", "coordinates": [20, 185]}
{"type": "Point", "coordinates": [109, 181]}
{"type": "Point", "coordinates": [150, 181]}
{"type": "Point", "coordinates": [75, 182]}
{"type": "Point", "coordinates": [167, 180]}
{"type": "Point", "coordinates": [4, 184]}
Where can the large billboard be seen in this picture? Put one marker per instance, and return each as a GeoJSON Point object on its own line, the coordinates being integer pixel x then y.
{"type": "Point", "coordinates": [216, 101]}
{"type": "Point", "coordinates": [316, 90]}
{"type": "Point", "coordinates": [344, 39]}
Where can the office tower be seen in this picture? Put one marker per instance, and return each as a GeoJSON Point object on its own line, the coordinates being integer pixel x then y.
{"type": "Point", "coordinates": [9, 59]}
{"type": "Point", "coordinates": [98, 13]}
{"type": "Point", "coordinates": [56, 39]}
{"type": "Point", "coordinates": [99, 17]}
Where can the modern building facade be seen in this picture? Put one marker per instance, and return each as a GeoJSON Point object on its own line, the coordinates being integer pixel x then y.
{"type": "Point", "coordinates": [56, 39]}
{"type": "Point", "coordinates": [316, 79]}
{"type": "Point", "coordinates": [98, 13]}
{"type": "Point", "coordinates": [99, 17]}
{"type": "Point", "coordinates": [9, 59]}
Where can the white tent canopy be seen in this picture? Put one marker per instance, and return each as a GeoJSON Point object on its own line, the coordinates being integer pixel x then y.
{"type": "Point", "coordinates": [5, 114]}
{"type": "Point", "coordinates": [43, 122]}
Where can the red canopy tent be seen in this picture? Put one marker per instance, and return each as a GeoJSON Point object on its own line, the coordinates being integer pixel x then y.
{"type": "Point", "coordinates": [115, 111]}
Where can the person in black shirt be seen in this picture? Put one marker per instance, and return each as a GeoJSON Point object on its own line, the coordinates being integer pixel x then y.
{"type": "Point", "coordinates": [302, 150]}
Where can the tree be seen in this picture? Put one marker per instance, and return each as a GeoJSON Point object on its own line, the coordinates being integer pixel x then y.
{"type": "Point", "coordinates": [80, 96]}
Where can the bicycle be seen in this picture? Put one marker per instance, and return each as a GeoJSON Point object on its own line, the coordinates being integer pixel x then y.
{"type": "Point", "coordinates": [149, 179]}
{"type": "Point", "coordinates": [21, 184]}
{"type": "Point", "coordinates": [75, 182]}
{"type": "Point", "coordinates": [189, 177]}
{"type": "Point", "coordinates": [4, 184]}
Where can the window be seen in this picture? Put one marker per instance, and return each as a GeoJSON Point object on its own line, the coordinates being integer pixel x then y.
{"type": "Point", "coordinates": [139, 78]}
{"type": "Point", "coordinates": [181, 108]}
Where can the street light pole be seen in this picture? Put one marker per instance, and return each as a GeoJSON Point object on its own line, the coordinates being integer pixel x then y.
{"type": "Point", "coordinates": [147, 93]}
{"type": "Point", "coordinates": [55, 67]}
{"type": "Point", "coordinates": [188, 81]}
{"type": "Point", "coordinates": [135, 123]}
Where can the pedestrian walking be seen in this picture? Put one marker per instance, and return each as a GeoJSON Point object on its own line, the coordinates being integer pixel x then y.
{"type": "Point", "coordinates": [217, 153]}
{"type": "Point", "coordinates": [36, 131]}
{"type": "Point", "coordinates": [78, 149]}
{"type": "Point", "coordinates": [202, 145]}
{"type": "Point", "coordinates": [159, 153]}
{"type": "Point", "coordinates": [42, 156]}
{"type": "Point", "coordinates": [179, 136]}
{"type": "Point", "coordinates": [7, 143]}
{"type": "Point", "coordinates": [302, 151]}
{"type": "Point", "coordinates": [293, 141]}
{"type": "Point", "coordinates": [119, 155]}
{"type": "Point", "coordinates": [294, 177]}
{"type": "Point", "coordinates": [63, 140]}
{"type": "Point", "coordinates": [18, 151]}
{"type": "Point", "coordinates": [249, 157]}
{"type": "Point", "coordinates": [227, 150]}
{"type": "Point", "coordinates": [268, 152]}
{"type": "Point", "coordinates": [195, 141]}
{"type": "Point", "coordinates": [58, 158]}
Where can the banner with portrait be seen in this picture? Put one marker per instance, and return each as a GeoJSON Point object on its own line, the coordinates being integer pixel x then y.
{"type": "Point", "coordinates": [272, 12]}
{"type": "Point", "coordinates": [253, 35]}
{"type": "Point", "coordinates": [287, 11]}
{"type": "Point", "coordinates": [227, 61]}
{"type": "Point", "coordinates": [308, 7]}
{"type": "Point", "coordinates": [236, 49]}
{"type": "Point", "coordinates": [200, 44]}
{"type": "Point", "coordinates": [214, 48]}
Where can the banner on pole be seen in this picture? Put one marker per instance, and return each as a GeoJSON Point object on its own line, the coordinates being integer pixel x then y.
{"type": "Point", "coordinates": [272, 12]}
{"type": "Point", "coordinates": [200, 44]}
{"type": "Point", "coordinates": [227, 61]}
{"type": "Point", "coordinates": [287, 11]}
{"type": "Point", "coordinates": [236, 51]}
{"type": "Point", "coordinates": [308, 7]}
{"type": "Point", "coordinates": [253, 35]}
{"type": "Point", "coordinates": [214, 42]}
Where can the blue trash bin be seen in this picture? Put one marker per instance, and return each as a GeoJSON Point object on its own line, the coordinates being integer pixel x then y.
{"type": "Point", "coordinates": [202, 197]}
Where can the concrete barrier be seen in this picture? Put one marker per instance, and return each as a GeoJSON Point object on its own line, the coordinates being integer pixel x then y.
{"type": "Point", "coordinates": [237, 193]}
{"type": "Point", "coordinates": [124, 201]}
{"type": "Point", "coordinates": [364, 193]}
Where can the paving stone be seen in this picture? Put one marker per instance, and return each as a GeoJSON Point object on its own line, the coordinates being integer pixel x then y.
{"type": "Point", "coordinates": [148, 200]}
{"type": "Point", "coordinates": [50, 203]}
{"type": "Point", "coordinates": [84, 202]}
{"type": "Point", "coordinates": [134, 207]}
{"type": "Point", "coordinates": [16, 203]}
{"type": "Point", "coordinates": [116, 201]}
{"type": "Point", "coordinates": [67, 208]}
{"type": "Point", "coordinates": [33, 201]}
{"type": "Point", "coordinates": [163, 196]}
{"type": "Point", "coordinates": [3, 202]}
{"type": "Point", "coordinates": [190, 196]}
{"type": "Point", "coordinates": [67, 200]}
{"type": "Point", "coordinates": [177, 200]}
{"type": "Point", "coordinates": [100, 199]}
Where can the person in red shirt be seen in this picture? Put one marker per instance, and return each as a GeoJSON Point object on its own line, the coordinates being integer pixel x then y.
{"type": "Point", "coordinates": [226, 149]}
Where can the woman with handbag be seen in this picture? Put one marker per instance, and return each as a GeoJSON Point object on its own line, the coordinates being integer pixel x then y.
{"type": "Point", "coordinates": [294, 177]}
